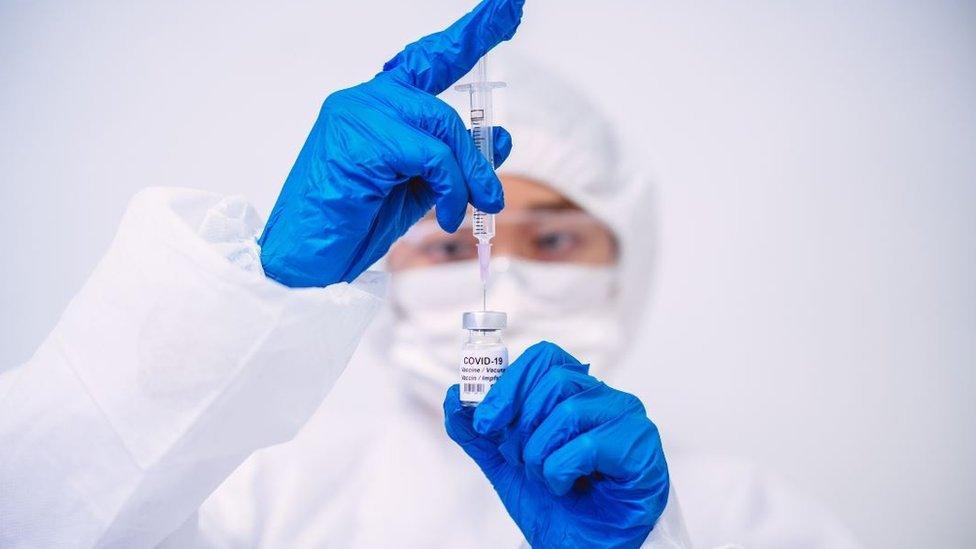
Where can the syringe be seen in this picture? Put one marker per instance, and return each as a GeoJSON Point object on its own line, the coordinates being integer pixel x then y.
{"type": "Point", "coordinates": [483, 224]}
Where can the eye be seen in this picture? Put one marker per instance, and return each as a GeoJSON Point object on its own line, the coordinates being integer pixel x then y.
{"type": "Point", "coordinates": [444, 251]}
{"type": "Point", "coordinates": [555, 244]}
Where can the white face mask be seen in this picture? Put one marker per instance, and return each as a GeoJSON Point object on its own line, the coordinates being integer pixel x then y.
{"type": "Point", "coordinates": [571, 305]}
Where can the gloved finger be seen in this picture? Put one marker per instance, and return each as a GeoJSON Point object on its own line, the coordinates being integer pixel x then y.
{"type": "Point", "coordinates": [504, 400]}
{"type": "Point", "coordinates": [555, 386]}
{"type": "Point", "coordinates": [437, 118]}
{"type": "Point", "coordinates": [420, 155]}
{"type": "Point", "coordinates": [627, 451]}
{"type": "Point", "coordinates": [575, 415]}
{"type": "Point", "coordinates": [457, 422]}
{"type": "Point", "coordinates": [438, 60]}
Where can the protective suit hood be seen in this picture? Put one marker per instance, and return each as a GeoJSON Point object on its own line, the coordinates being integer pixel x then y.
{"type": "Point", "coordinates": [562, 140]}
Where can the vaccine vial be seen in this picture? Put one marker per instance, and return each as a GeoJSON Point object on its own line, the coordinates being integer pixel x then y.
{"type": "Point", "coordinates": [484, 356]}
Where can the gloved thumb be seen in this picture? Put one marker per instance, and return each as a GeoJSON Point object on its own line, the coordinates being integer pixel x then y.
{"type": "Point", "coordinates": [457, 421]}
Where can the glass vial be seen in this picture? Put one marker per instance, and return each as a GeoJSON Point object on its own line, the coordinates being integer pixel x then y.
{"type": "Point", "coordinates": [484, 356]}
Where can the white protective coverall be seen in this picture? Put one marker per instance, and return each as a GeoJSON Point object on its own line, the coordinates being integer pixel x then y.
{"type": "Point", "coordinates": [178, 360]}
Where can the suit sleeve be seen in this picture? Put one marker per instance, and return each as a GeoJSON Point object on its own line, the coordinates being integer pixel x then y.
{"type": "Point", "coordinates": [175, 361]}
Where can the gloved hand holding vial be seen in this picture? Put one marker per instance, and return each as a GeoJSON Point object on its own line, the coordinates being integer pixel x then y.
{"type": "Point", "coordinates": [606, 487]}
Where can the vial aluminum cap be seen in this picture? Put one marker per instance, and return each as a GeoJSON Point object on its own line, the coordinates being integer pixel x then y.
{"type": "Point", "coordinates": [484, 320]}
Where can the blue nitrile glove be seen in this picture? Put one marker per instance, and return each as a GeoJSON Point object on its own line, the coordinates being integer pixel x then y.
{"type": "Point", "coordinates": [382, 153]}
{"type": "Point", "coordinates": [575, 462]}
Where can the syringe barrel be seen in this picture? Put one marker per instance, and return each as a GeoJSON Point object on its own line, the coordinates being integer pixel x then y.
{"type": "Point", "coordinates": [481, 132]}
{"type": "Point", "coordinates": [479, 92]}
{"type": "Point", "coordinates": [483, 225]}
{"type": "Point", "coordinates": [481, 115]}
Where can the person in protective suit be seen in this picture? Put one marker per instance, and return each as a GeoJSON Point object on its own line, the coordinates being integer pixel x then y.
{"type": "Point", "coordinates": [181, 399]}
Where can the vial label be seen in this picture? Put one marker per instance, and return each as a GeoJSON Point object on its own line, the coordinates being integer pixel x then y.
{"type": "Point", "coordinates": [480, 369]}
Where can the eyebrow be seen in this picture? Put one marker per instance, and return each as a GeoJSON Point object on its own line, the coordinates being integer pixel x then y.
{"type": "Point", "coordinates": [563, 204]}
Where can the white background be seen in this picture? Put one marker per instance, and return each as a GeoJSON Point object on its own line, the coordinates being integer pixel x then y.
{"type": "Point", "coordinates": [815, 302]}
